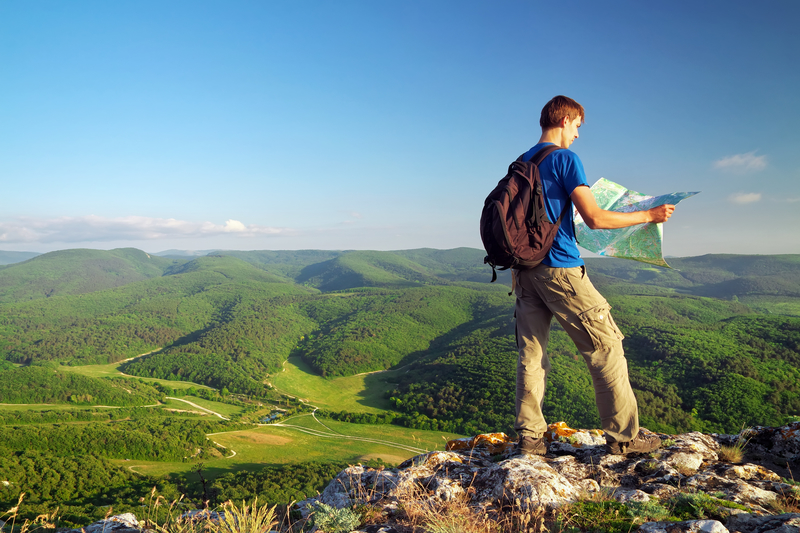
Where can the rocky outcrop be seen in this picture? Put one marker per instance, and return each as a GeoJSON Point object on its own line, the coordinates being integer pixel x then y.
{"type": "Point", "coordinates": [484, 473]}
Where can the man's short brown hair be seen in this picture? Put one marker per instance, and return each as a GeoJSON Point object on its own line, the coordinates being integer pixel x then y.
{"type": "Point", "coordinates": [559, 107]}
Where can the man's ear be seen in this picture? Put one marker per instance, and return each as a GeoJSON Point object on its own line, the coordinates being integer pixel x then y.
{"type": "Point", "coordinates": [565, 121]}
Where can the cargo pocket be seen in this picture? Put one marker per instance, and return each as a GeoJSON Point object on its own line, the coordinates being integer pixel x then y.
{"type": "Point", "coordinates": [601, 327]}
{"type": "Point", "coordinates": [556, 288]}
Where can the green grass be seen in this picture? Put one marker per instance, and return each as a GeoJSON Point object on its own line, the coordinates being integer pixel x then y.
{"type": "Point", "coordinates": [269, 445]}
{"type": "Point", "coordinates": [427, 440]}
{"type": "Point", "coordinates": [112, 370]}
{"type": "Point", "coordinates": [349, 393]}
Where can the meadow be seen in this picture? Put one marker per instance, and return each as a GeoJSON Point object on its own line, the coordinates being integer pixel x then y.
{"type": "Point", "coordinates": [349, 393]}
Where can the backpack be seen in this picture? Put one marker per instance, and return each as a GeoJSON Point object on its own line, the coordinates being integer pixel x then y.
{"type": "Point", "coordinates": [515, 229]}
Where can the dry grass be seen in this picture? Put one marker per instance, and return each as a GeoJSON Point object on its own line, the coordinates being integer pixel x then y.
{"type": "Point", "coordinates": [247, 518]}
{"type": "Point", "coordinates": [735, 452]}
{"type": "Point", "coordinates": [230, 518]}
{"type": "Point", "coordinates": [789, 499]}
{"type": "Point", "coordinates": [43, 521]}
{"type": "Point", "coordinates": [421, 511]}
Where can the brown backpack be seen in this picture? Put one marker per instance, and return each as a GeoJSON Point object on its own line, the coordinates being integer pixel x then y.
{"type": "Point", "coordinates": [515, 228]}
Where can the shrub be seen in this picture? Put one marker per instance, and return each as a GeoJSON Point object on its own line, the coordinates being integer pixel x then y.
{"type": "Point", "coordinates": [332, 520]}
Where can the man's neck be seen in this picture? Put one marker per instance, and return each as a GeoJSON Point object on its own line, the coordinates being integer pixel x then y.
{"type": "Point", "coordinates": [552, 135]}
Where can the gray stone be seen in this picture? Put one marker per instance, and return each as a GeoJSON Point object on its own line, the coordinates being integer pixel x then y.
{"type": "Point", "coordinates": [123, 523]}
{"type": "Point", "coordinates": [689, 526]}
{"type": "Point", "coordinates": [751, 523]}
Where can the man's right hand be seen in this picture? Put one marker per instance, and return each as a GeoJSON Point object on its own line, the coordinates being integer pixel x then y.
{"type": "Point", "coordinates": [661, 213]}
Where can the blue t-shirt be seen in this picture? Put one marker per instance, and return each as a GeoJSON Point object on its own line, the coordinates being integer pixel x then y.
{"type": "Point", "coordinates": [561, 172]}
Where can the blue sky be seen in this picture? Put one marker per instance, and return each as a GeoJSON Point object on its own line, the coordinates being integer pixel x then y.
{"type": "Point", "coordinates": [383, 125]}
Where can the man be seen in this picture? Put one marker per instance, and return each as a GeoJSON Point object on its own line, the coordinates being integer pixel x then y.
{"type": "Point", "coordinates": [560, 287]}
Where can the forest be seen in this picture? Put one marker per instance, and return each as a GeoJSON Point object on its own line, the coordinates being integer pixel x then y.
{"type": "Point", "coordinates": [712, 345]}
{"type": "Point", "coordinates": [701, 355]}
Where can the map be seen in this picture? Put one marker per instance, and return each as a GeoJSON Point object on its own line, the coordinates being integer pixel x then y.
{"type": "Point", "coordinates": [641, 242]}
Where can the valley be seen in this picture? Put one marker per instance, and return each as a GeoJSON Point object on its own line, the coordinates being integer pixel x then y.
{"type": "Point", "coordinates": [120, 371]}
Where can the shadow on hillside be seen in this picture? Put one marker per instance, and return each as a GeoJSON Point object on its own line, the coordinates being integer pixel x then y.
{"type": "Point", "coordinates": [413, 366]}
{"type": "Point", "coordinates": [191, 485]}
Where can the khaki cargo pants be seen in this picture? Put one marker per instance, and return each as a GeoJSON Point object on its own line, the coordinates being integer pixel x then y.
{"type": "Point", "coordinates": [567, 294]}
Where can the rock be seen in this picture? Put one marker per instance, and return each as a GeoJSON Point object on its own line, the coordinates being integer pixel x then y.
{"type": "Point", "coordinates": [684, 462]}
{"type": "Point", "coordinates": [123, 523]}
{"type": "Point", "coordinates": [750, 523]}
{"type": "Point", "coordinates": [529, 480]}
{"type": "Point", "coordinates": [782, 441]}
{"type": "Point", "coordinates": [623, 496]}
{"type": "Point", "coordinates": [704, 526]}
{"type": "Point", "coordinates": [696, 442]}
{"type": "Point", "coordinates": [494, 442]}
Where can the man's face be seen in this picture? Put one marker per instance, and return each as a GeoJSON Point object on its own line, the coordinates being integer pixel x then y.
{"type": "Point", "coordinates": [570, 131]}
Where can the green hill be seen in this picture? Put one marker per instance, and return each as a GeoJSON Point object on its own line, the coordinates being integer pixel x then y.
{"type": "Point", "coordinates": [340, 270]}
{"type": "Point", "coordinates": [285, 263]}
{"type": "Point", "coordinates": [367, 269]}
{"type": "Point", "coordinates": [114, 324]}
{"type": "Point", "coordinates": [229, 319]}
{"type": "Point", "coordinates": [77, 272]}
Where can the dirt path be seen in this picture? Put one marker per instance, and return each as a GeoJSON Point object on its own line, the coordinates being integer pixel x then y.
{"type": "Point", "coordinates": [141, 355]}
{"type": "Point", "coordinates": [331, 434]}
{"type": "Point", "coordinates": [209, 411]}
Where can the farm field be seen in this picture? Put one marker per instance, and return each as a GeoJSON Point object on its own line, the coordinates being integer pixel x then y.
{"type": "Point", "coordinates": [274, 444]}
{"type": "Point", "coordinates": [351, 393]}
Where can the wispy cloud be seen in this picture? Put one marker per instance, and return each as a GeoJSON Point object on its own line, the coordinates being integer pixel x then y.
{"type": "Point", "coordinates": [355, 216]}
{"type": "Point", "coordinates": [748, 162]}
{"type": "Point", "coordinates": [745, 197]}
{"type": "Point", "coordinates": [97, 229]}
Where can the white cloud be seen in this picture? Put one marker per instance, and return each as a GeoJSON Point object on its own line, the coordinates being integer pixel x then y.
{"type": "Point", "coordinates": [745, 197]}
{"type": "Point", "coordinates": [234, 226]}
{"type": "Point", "coordinates": [748, 162]}
{"type": "Point", "coordinates": [97, 229]}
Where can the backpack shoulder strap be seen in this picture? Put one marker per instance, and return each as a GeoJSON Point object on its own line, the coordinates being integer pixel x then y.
{"type": "Point", "coordinates": [539, 156]}
{"type": "Point", "coordinates": [538, 213]}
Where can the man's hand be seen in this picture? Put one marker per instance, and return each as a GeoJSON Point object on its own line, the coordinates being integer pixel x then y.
{"type": "Point", "coordinates": [661, 213]}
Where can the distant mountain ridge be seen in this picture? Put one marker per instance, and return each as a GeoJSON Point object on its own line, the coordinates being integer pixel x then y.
{"type": "Point", "coordinates": [8, 258]}
{"type": "Point", "coordinates": [81, 271]}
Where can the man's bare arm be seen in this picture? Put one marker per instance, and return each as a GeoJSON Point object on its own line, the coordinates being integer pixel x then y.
{"type": "Point", "coordinates": [597, 218]}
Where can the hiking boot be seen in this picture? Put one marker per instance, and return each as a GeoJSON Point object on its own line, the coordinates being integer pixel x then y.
{"type": "Point", "coordinates": [641, 443]}
{"type": "Point", "coordinates": [531, 446]}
